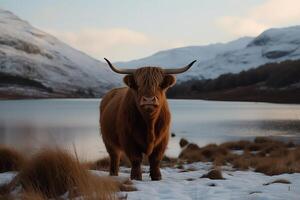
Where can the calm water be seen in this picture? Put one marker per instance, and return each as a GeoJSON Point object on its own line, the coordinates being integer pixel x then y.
{"type": "Point", "coordinates": [32, 124]}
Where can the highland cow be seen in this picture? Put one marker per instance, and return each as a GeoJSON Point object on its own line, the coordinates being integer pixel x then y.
{"type": "Point", "coordinates": [135, 120]}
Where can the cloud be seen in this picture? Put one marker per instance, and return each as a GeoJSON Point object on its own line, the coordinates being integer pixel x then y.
{"type": "Point", "coordinates": [269, 14]}
{"type": "Point", "coordinates": [277, 11]}
{"type": "Point", "coordinates": [115, 43]}
{"type": "Point", "coordinates": [102, 42]}
{"type": "Point", "coordinates": [241, 26]}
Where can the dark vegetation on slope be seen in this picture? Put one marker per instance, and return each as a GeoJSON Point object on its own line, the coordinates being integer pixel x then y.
{"type": "Point", "coordinates": [7, 79]}
{"type": "Point", "coordinates": [35, 89]}
{"type": "Point", "coordinates": [23, 46]}
{"type": "Point", "coordinates": [273, 82]}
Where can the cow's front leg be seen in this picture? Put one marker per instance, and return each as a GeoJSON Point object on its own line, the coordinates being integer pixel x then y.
{"type": "Point", "coordinates": [155, 158]}
{"type": "Point", "coordinates": [136, 161]}
{"type": "Point", "coordinates": [154, 168]}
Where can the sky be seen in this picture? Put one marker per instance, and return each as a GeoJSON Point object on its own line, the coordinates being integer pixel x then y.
{"type": "Point", "coordinates": [123, 30]}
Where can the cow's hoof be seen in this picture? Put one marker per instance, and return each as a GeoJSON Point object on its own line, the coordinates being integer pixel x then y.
{"type": "Point", "coordinates": [136, 176]}
{"type": "Point", "coordinates": [155, 178]}
{"type": "Point", "coordinates": [113, 173]}
{"type": "Point", "coordinates": [155, 175]}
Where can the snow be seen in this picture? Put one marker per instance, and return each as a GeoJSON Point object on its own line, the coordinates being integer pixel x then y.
{"type": "Point", "coordinates": [178, 184]}
{"type": "Point", "coordinates": [28, 52]}
{"type": "Point", "coordinates": [236, 185]}
{"type": "Point", "coordinates": [6, 177]}
{"type": "Point", "coordinates": [273, 45]}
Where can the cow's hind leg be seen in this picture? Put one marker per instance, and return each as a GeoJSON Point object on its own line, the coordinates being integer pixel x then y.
{"type": "Point", "coordinates": [114, 155]}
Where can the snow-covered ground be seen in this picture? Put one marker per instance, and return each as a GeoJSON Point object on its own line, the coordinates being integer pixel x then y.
{"type": "Point", "coordinates": [187, 185]}
{"type": "Point", "coordinates": [237, 185]}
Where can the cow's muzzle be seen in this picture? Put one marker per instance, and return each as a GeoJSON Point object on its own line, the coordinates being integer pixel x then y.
{"type": "Point", "coordinates": [149, 101]}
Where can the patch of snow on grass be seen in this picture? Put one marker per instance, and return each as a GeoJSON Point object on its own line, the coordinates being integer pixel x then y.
{"type": "Point", "coordinates": [6, 177]}
{"type": "Point", "coordinates": [178, 184]}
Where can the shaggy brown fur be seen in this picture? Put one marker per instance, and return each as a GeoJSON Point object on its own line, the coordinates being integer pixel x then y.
{"type": "Point", "coordinates": [134, 129]}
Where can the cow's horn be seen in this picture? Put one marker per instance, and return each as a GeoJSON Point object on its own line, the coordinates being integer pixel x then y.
{"type": "Point", "coordinates": [166, 71]}
{"type": "Point", "coordinates": [179, 70]}
{"type": "Point", "coordinates": [119, 71]}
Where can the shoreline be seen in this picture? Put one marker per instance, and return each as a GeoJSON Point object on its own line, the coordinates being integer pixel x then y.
{"type": "Point", "coordinates": [18, 98]}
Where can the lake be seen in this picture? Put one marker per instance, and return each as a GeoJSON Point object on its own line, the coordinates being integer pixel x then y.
{"type": "Point", "coordinates": [29, 125]}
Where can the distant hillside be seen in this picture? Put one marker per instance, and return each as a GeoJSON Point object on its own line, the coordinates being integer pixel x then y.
{"type": "Point", "coordinates": [272, 46]}
{"type": "Point", "coordinates": [274, 82]}
{"type": "Point", "coordinates": [34, 64]}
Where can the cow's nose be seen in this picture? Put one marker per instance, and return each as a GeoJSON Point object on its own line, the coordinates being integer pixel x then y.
{"type": "Point", "coordinates": [149, 100]}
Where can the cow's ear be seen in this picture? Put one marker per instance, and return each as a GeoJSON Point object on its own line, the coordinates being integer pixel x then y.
{"type": "Point", "coordinates": [129, 81]}
{"type": "Point", "coordinates": [169, 81]}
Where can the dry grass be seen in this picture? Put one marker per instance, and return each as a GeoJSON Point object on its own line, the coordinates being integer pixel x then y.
{"type": "Point", "coordinates": [51, 173]}
{"type": "Point", "coordinates": [10, 159]}
{"type": "Point", "coordinates": [103, 163]}
{"type": "Point", "coordinates": [183, 142]}
{"type": "Point", "coordinates": [209, 153]}
{"type": "Point", "coordinates": [170, 162]}
{"type": "Point", "coordinates": [283, 181]}
{"type": "Point", "coordinates": [238, 145]}
{"type": "Point", "coordinates": [214, 174]}
{"type": "Point", "coordinates": [263, 155]}
{"type": "Point", "coordinates": [33, 195]}
{"type": "Point", "coordinates": [127, 186]}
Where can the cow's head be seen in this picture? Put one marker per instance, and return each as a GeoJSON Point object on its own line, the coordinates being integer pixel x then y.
{"type": "Point", "coordinates": [149, 85]}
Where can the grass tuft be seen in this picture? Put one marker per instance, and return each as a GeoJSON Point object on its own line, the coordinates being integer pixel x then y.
{"type": "Point", "coordinates": [283, 181]}
{"type": "Point", "coordinates": [214, 174]}
{"type": "Point", "coordinates": [51, 173]}
{"type": "Point", "coordinates": [10, 159]}
{"type": "Point", "coordinates": [264, 155]}
{"type": "Point", "coordinates": [183, 142]}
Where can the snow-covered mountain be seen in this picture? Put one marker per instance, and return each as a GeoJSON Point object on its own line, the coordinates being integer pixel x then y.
{"type": "Point", "coordinates": [34, 63]}
{"type": "Point", "coordinates": [273, 45]}
{"type": "Point", "coordinates": [46, 65]}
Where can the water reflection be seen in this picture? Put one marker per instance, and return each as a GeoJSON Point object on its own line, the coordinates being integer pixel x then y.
{"type": "Point", "coordinates": [29, 138]}
{"type": "Point", "coordinates": [33, 124]}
